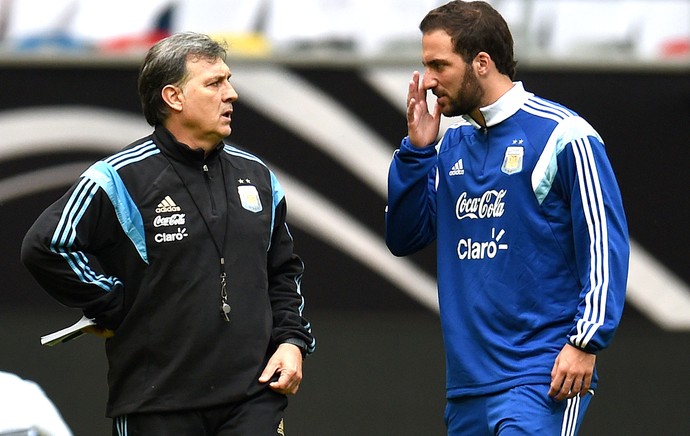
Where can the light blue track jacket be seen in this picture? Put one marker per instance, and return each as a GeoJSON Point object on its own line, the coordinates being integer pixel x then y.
{"type": "Point", "coordinates": [531, 236]}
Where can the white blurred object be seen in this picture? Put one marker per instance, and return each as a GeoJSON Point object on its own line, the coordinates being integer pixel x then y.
{"type": "Point", "coordinates": [25, 407]}
{"type": "Point", "coordinates": [295, 22]}
{"type": "Point", "coordinates": [594, 28]}
{"type": "Point", "coordinates": [387, 26]}
{"type": "Point", "coordinates": [218, 16]}
{"type": "Point", "coordinates": [100, 21]}
{"type": "Point", "coordinates": [663, 28]}
{"type": "Point", "coordinates": [575, 27]}
{"type": "Point", "coordinates": [83, 21]}
{"type": "Point", "coordinates": [23, 21]}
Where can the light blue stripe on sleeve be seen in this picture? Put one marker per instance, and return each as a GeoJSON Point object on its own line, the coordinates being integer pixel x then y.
{"type": "Point", "coordinates": [567, 130]}
{"type": "Point", "coordinates": [105, 176]}
{"type": "Point", "coordinates": [278, 195]}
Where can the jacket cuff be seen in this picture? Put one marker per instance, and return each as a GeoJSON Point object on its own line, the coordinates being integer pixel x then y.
{"type": "Point", "coordinates": [427, 149]}
{"type": "Point", "coordinates": [107, 311]}
{"type": "Point", "coordinates": [299, 343]}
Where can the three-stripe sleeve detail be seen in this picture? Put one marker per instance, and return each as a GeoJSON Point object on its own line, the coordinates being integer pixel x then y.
{"type": "Point", "coordinates": [121, 425]}
{"type": "Point", "coordinates": [595, 216]}
{"type": "Point", "coordinates": [574, 130]}
{"type": "Point", "coordinates": [103, 175]}
{"type": "Point", "coordinates": [66, 233]}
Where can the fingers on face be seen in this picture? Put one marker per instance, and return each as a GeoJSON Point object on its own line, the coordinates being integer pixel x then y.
{"type": "Point", "coordinates": [416, 85]}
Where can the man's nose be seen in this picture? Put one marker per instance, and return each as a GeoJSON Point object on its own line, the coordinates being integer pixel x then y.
{"type": "Point", "coordinates": [429, 81]}
{"type": "Point", "coordinates": [231, 94]}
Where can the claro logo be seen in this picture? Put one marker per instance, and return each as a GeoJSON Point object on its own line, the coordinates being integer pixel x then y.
{"type": "Point", "coordinates": [171, 237]}
{"type": "Point", "coordinates": [488, 205]}
{"type": "Point", "coordinates": [469, 249]}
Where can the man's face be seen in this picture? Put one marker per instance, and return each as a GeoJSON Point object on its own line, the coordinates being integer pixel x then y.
{"type": "Point", "coordinates": [207, 100]}
{"type": "Point", "coordinates": [448, 76]}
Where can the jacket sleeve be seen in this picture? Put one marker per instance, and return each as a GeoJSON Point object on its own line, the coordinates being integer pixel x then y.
{"type": "Point", "coordinates": [600, 238]}
{"type": "Point", "coordinates": [60, 249]}
{"type": "Point", "coordinates": [285, 270]}
{"type": "Point", "coordinates": [411, 209]}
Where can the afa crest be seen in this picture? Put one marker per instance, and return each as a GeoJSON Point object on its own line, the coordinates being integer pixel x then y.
{"type": "Point", "coordinates": [512, 161]}
{"type": "Point", "coordinates": [249, 197]}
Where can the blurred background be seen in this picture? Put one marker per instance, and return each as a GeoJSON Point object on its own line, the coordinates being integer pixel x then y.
{"type": "Point", "coordinates": [322, 89]}
{"type": "Point", "coordinates": [631, 30]}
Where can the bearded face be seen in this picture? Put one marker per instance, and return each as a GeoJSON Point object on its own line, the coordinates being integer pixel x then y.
{"type": "Point", "coordinates": [466, 97]}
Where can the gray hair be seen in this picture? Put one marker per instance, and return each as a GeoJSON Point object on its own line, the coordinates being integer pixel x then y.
{"type": "Point", "coordinates": [166, 64]}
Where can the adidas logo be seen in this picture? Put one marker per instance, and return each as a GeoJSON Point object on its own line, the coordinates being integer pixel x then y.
{"type": "Point", "coordinates": [457, 169]}
{"type": "Point", "coordinates": [167, 205]}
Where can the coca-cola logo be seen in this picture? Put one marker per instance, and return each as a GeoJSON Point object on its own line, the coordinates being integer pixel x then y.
{"type": "Point", "coordinates": [177, 219]}
{"type": "Point", "coordinates": [488, 205]}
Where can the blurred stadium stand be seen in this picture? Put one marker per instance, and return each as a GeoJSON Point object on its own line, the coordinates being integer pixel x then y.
{"type": "Point", "coordinates": [565, 30]}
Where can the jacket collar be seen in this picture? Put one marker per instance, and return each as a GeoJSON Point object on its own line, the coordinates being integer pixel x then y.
{"type": "Point", "coordinates": [181, 152]}
{"type": "Point", "coordinates": [503, 108]}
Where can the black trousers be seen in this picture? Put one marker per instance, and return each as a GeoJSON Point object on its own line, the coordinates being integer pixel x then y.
{"type": "Point", "coordinates": [261, 415]}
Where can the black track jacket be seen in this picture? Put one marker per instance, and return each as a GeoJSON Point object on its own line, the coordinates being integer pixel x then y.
{"type": "Point", "coordinates": [137, 243]}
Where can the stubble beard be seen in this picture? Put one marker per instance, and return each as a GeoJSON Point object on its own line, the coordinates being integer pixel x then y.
{"type": "Point", "coordinates": [467, 99]}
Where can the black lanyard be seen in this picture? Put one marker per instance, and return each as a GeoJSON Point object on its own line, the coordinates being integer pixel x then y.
{"type": "Point", "coordinates": [220, 248]}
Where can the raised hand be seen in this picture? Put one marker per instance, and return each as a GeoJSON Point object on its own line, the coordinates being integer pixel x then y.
{"type": "Point", "coordinates": [422, 126]}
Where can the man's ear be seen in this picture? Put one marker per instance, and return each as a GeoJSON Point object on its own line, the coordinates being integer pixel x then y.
{"type": "Point", "coordinates": [172, 95]}
{"type": "Point", "coordinates": [481, 63]}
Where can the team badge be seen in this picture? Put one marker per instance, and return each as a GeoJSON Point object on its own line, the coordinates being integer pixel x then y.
{"type": "Point", "coordinates": [512, 161]}
{"type": "Point", "coordinates": [249, 197]}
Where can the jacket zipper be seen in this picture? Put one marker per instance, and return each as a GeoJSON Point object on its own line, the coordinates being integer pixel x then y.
{"type": "Point", "coordinates": [485, 132]}
{"type": "Point", "coordinates": [207, 178]}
